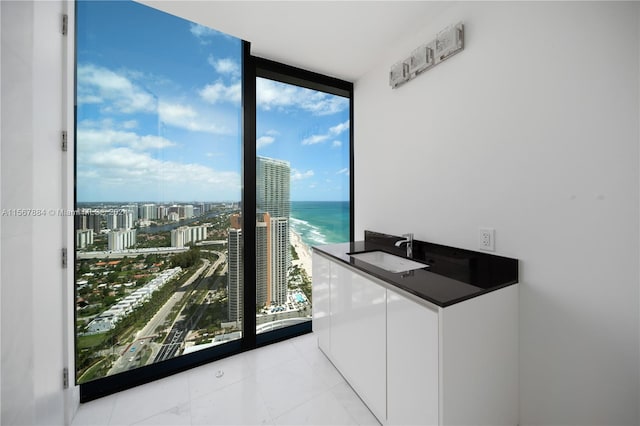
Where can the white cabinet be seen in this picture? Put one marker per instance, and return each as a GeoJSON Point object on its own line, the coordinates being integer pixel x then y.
{"type": "Point", "coordinates": [412, 362]}
{"type": "Point", "coordinates": [321, 301]}
{"type": "Point", "coordinates": [415, 363]}
{"type": "Point", "coordinates": [479, 360]}
{"type": "Point", "coordinates": [358, 334]}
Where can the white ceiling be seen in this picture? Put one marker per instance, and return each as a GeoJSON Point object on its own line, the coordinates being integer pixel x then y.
{"type": "Point", "coordinates": [343, 39]}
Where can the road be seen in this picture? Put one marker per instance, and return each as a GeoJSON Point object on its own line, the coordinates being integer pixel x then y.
{"type": "Point", "coordinates": [181, 326]}
{"type": "Point", "coordinates": [222, 258]}
{"type": "Point", "coordinates": [128, 252]}
{"type": "Point", "coordinates": [126, 361]}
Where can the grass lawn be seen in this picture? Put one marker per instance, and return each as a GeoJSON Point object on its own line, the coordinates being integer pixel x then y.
{"type": "Point", "coordinates": [94, 371]}
{"type": "Point", "coordinates": [90, 341]}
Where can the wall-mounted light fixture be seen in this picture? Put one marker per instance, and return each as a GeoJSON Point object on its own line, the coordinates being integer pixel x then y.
{"type": "Point", "coordinates": [447, 43]}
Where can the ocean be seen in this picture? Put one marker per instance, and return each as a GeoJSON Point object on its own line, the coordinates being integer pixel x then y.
{"type": "Point", "coordinates": [321, 222]}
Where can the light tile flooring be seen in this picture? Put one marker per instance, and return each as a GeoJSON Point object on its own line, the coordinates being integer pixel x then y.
{"type": "Point", "coordinates": [287, 383]}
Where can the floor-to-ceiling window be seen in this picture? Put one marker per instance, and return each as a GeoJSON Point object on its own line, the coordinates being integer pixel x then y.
{"type": "Point", "coordinates": [158, 181]}
{"type": "Point", "coordinates": [302, 194]}
{"type": "Point", "coordinates": [165, 173]}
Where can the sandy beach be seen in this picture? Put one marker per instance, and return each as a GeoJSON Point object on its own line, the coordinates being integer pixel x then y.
{"type": "Point", "coordinates": [303, 251]}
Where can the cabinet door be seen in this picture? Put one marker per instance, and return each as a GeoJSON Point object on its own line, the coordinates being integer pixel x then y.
{"type": "Point", "coordinates": [412, 362]}
{"type": "Point", "coordinates": [358, 335]}
{"type": "Point", "coordinates": [321, 301]}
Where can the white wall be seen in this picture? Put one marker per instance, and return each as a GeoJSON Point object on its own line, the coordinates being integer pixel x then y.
{"type": "Point", "coordinates": [0, 217]}
{"type": "Point", "coordinates": [33, 294]}
{"type": "Point", "coordinates": [533, 130]}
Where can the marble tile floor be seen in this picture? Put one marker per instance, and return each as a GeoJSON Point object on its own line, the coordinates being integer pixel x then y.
{"type": "Point", "coordinates": [287, 383]}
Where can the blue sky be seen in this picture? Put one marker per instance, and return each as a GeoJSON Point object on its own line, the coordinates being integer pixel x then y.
{"type": "Point", "coordinates": [159, 114]}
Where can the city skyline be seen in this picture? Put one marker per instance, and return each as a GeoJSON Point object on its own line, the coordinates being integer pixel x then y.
{"type": "Point", "coordinates": [170, 130]}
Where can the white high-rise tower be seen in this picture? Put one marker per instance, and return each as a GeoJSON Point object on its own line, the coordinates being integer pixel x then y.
{"type": "Point", "coordinates": [273, 179]}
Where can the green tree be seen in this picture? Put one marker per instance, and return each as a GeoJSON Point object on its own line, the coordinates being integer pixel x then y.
{"type": "Point", "coordinates": [84, 267]}
{"type": "Point", "coordinates": [186, 259]}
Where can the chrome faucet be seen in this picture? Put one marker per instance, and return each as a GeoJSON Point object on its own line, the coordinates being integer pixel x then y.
{"type": "Point", "coordinates": [408, 239]}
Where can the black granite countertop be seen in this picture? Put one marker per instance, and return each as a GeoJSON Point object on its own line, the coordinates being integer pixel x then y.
{"type": "Point", "coordinates": [451, 275]}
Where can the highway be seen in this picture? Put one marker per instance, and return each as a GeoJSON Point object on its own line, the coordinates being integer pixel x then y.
{"type": "Point", "coordinates": [128, 252]}
{"type": "Point", "coordinates": [126, 361]}
{"type": "Point", "coordinates": [181, 326]}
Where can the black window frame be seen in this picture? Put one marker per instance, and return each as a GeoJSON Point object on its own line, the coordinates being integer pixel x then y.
{"type": "Point", "coordinates": [265, 68]}
{"type": "Point", "coordinates": [252, 67]}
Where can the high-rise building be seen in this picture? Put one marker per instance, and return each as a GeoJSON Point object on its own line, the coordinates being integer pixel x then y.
{"type": "Point", "coordinates": [173, 209]}
{"type": "Point", "coordinates": [122, 239]}
{"type": "Point", "coordinates": [263, 264]}
{"type": "Point", "coordinates": [81, 221]}
{"type": "Point", "coordinates": [273, 254]}
{"type": "Point", "coordinates": [84, 237]}
{"type": "Point", "coordinates": [273, 197]}
{"type": "Point", "coordinates": [184, 235]}
{"type": "Point", "coordinates": [124, 220]}
{"type": "Point", "coordinates": [186, 211]}
{"type": "Point", "coordinates": [133, 208]}
{"type": "Point", "coordinates": [89, 221]}
{"type": "Point", "coordinates": [162, 212]}
{"type": "Point", "coordinates": [273, 179]}
{"type": "Point", "coordinates": [235, 274]}
{"type": "Point", "coordinates": [149, 211]}
{"type": "Point", "coordinates": [112, 221]}
{"type": "Point", "coordinates": [280, 260]}
{"type": "Point", "coordinates": [236, 221]}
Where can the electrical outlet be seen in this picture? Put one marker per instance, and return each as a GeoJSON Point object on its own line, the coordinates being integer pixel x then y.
{"type": "Point", "coordinates": [487, 239]}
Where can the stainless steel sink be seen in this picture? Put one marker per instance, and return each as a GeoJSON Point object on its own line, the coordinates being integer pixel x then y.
{"type": "Point", "coordinates": [388, 262]}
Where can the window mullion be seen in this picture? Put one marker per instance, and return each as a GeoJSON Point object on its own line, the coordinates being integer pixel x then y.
{"type": "Point", "coordinates": [249, 197]}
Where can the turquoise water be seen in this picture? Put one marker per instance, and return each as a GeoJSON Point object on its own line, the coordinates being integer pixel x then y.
{"type": "Point", "coordinates": [321, 222]}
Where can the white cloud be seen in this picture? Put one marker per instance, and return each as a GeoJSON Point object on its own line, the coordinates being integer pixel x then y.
{"type": "Point", "coordinates": [104, 123]}
{"type": "Point", "coordinates": [139, 168]}
{"type": "Point", "coordinates": [95, 140]}
{"type": "Point", "coordinates": [176, 112]}
{"type": "Point", "coordinates": [130, 124]}
{"type": "Point", "coordinates": [272, 132]}
{"type": "Point", "coordinates": [314, 139]}
{"type": "Point", "coordinates": [344, 171]}
{"type": "Point", "coordinates": [118, 94]}
{"type": "Point", "coordinates": [263, 141]}
{"type": "Point", "coordinates": [152, 142]}
{"type": "Point", "coordinates": [87, 98]}
{"type": "Point", "coordinates": [204, 34]}
{"type": "Point", "coordinates": [325, 104]}
{"type": "Point", "coordinates": [225, 65]}
{"type": "Point", "coordinates": [186, 117]}
{"type": "Point", "coordinates": [336, 144]}
{"type": "Point", "coordinates": [298, 175]}
{"type": "Point", "coordinates": [333, 131]}
{"type": "Point", "coordinates": [271, 94]}
{"type": "Point", "coordinates": [339, 128]}
{"type": "Point", "coordinates": [123, 164]}
{"type": "Point", "coordinates": [219, 92]}
{"type": "Point", "coordinates": [200, 30]}
{"type": "Point", "coordinates": [131, 171]}
{"type": "Point", "coordinates": [114, 92]}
